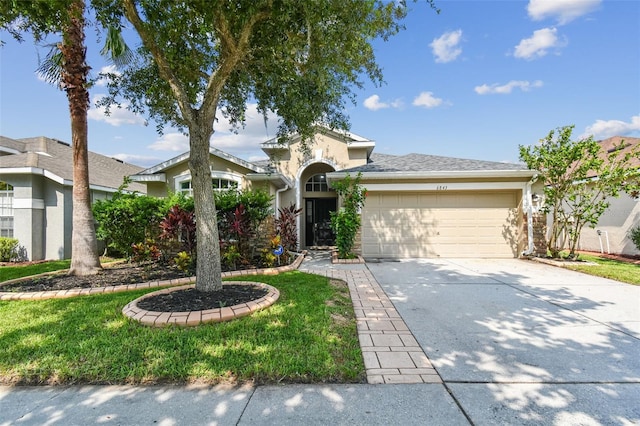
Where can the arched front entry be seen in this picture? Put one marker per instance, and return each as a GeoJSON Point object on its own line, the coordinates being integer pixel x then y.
{"type": "Point", "coordinates": [318, 201]}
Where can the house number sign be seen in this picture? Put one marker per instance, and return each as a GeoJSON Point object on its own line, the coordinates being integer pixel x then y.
{"type": "Point", "coordinates": [441, 188]}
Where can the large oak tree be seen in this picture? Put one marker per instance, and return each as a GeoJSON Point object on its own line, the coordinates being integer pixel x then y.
{"type": "Point", "coordinates": [200, 58]}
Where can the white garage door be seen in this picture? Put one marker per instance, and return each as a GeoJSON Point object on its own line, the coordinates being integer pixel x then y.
{"type": "Point", "coordinates": [440, 224]}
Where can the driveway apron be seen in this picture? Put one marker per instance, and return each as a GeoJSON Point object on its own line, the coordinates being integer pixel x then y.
{"type": "Point", "coordinates": [517, 341]}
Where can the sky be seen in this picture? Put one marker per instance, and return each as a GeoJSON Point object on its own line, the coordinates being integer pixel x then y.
{"type": "Point", "coordinates": [474, 81]}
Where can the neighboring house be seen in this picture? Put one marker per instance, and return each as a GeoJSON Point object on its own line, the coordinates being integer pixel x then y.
{"type": "Point", "coordinates": [622, 215]}
{"type": "Point", "coordinates": [417, 205]}
{"type": "Point", "coordinates": [36, 178]}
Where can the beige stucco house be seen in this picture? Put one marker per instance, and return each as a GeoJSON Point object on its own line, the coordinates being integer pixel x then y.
{"type": "Point", "coordinates": [36, 182]}
{"type": "Point", "coordinates": [417, 205]}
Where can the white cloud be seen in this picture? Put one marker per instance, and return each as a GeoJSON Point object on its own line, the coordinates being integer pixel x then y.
{"type": "Point", "coordinates": [563, 11]}
{"type": "Point", "coordinates": [446, 47]}
{"type": "Point", "coordinates": [602, 129]}
{"type": "Point", "coordinates": [538, 44]}
{"type": "Point", "coordinates": [245, 143]}
{"type": "Point", "coordinates": [427, 100]}
{"type": "Point", "coordinates": [116, 117]}
{"type": "Point", "coordinates": [505, 89]}
{"type": "Point", "coordinates": [373, 103]}
{"type": "Point", "coordinates": [102, 79]}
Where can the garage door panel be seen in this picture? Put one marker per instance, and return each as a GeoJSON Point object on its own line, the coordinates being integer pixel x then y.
{"type": "Point", "coordinates": [440, 225]}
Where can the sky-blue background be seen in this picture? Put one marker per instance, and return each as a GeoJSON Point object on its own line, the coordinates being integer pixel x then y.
{"type": "Point", "coordinates": [474, 81]}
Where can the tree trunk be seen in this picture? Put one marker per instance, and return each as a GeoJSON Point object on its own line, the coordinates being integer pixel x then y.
{"type": "Point", "coordinates": [208, 268]}
{"type": "Point", "coordinates": [84, 251]}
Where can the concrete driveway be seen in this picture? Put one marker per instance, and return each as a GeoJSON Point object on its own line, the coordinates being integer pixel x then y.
{"type": "Point", "coordinates": [520, 342]}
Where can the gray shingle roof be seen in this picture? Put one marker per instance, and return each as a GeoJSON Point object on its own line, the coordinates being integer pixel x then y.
{"type": "Point", "coordinates": [57, 158]}
{"type": "Point", "coordinates": [429, 163]}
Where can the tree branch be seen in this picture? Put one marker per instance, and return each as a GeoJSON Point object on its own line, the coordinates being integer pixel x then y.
{"type": "Point", "coordinates": [232, 53]}
{"type": "Point", "coordinates": [131, 12]}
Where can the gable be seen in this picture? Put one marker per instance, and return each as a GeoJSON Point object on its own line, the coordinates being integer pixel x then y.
{"type": "Point", "coordinates": [339, 150]}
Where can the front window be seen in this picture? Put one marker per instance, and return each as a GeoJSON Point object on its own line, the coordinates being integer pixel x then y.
{"type": "Point", "coordinates": [219, 184]}
{"type": "Point", "coordinates": [318, 183]}
{"type": "Point", "coordinates": [6, 210]}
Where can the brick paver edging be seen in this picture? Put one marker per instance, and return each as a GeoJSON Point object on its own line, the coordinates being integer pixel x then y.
{"type": "Point", "coordinates": [193, 318]}
{"type": "Point", "coordinates": [60, 294]}
{"type": "Point", "coordinates": [390, 352]}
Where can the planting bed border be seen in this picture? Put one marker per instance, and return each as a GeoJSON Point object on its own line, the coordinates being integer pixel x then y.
{"type": "Point", "coordinates": [60, 294]}
{"type": "Point", "coordinates": [193, 318]}
{"type": "Point", "coordinates": [336, 259]}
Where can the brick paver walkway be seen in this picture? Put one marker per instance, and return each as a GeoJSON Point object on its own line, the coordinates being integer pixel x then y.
{"type": "Point", "coordinates": [391, 353]}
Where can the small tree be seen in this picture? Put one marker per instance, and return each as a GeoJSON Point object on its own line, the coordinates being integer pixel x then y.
{"type": "Point", "coordinates": [579, 179]}
{"type": "Point", "coordinates": [346, 221]}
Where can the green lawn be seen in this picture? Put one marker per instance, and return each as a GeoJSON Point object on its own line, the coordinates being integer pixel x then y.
{"type": "Point", "coordinates": [608, 268]}
{"type": "Point", "coordinates": [309, 335]}
{"type": "Point", "coordinates": [12, 272]}
{"type": "Point", "coordinates": [19, 271]}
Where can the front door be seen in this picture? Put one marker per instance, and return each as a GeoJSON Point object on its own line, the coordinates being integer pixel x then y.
{"type": "Point", "coordinates": [318, 221]}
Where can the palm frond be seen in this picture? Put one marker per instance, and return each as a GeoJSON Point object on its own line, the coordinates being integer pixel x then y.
{"type": "Point", "coordinates": [50, 69]}
{"type": "Point", "coordinates": [116, 49]}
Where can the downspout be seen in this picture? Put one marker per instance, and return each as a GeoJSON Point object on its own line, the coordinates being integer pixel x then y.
{"type": "Point", "coordinates": [278, 192]}
{"type": "Point", "coordinates": [529, 202]}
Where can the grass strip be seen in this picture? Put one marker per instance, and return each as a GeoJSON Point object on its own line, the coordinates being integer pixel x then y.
{"type": "Point", "coordinates": [13, 272]}
{"type": "Point", "coordinates": [20, 271]}
{"type": "Point", "coordinates": [609, 268]}
{"type": "Point", "coordinates": [308, 336]}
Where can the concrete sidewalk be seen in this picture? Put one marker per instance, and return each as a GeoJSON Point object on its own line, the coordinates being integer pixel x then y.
{"type": "Point", "coordinates": [263, 405]}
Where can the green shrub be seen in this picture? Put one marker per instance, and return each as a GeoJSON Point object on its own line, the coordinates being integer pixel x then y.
{"type": "Point", "coordinates": [184, 261]}
{"type": "Point", "coordinates": [257, 204]}
{"type": "Point", "coordinates": [634, 234]}
{"type": "Point", "coordinates": [346, 221]}
{"type": "Point", "coordinates": [128, 219]}
{"type": "Point", "coordinates": [147, 251]}
{"type": "Point", "coordinates": [286, 227]}
{"type": "Point", "coordinates": [239, 215]}
{"type": "Point", "coordinates": [178, 233]}
{"type": "Point", "coordinates": [8, 249]}
{"type": "Point", "coordinates": [230, 255]}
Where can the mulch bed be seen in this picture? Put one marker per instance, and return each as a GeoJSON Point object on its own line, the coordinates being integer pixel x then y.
{"type": "Point", "coordinates": [130, 273]}
{"type": "Point", "coordinates": [122, 274]}
{"type": "Point", "coordinates": [190, 299]}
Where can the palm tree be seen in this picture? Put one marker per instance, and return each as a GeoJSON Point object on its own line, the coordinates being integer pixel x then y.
{"type": "Point", "coordinates": [66, 66]}
{"type": "Point", "coordinates": [74, 72]}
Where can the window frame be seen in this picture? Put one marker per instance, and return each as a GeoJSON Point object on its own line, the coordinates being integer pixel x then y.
{"type": "Point", "coordinates": [230, 178]}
